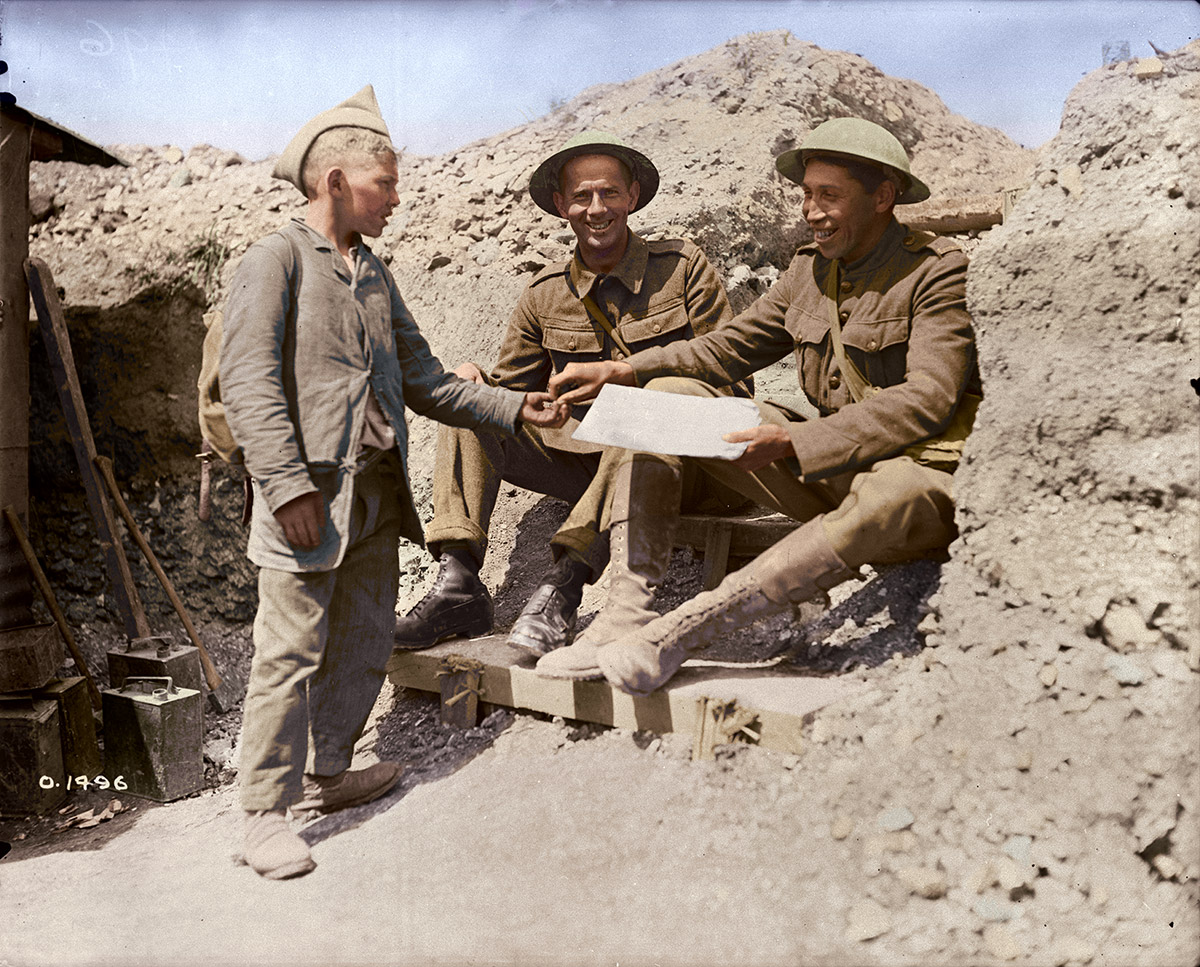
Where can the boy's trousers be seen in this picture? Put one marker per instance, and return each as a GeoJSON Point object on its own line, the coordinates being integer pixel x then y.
{"type": "Point", "coordinates": [321, 643]}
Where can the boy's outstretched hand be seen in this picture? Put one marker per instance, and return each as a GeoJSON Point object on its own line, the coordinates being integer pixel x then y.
{"type": "Point", "coordinates": [302, 519]}
{"type": "Point", "coordinates": [541, 409]}
{"type": "Point", "coordinates": [580, 382]}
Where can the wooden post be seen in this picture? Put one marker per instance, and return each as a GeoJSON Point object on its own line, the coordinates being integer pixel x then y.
{"type": "Point", "coordinates": [16, 588]}
{"type": "Point", "coordinates": [66, 379]}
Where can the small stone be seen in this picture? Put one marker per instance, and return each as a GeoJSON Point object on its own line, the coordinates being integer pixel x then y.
{"type": "Point", "coordinates": [1023, 760]}
{"type": "Point", "coordinates": [979, 878]}
{"type": "Point", "coordinates": [1001, 942]}
{"type": "Point", "coordinates": [923, 881]}
{"type": "Point", "coordinates": [994, 909]}
{"type": "Point", "coordinates": [1125, 670]}
{"type": "Point", "coordinates": [180, 178]}
{"type": "Point", "coordinates": [173, 155]}
{"type": "Point", "coordinates": [895, 819]}
{"type": "Point", "coordinates": [866, 920]}
{"type": "Point", "coordinates": [1147, 68]}
{"type": "Point", "coordinates": [1168, 867]}
{"type": "Point", "coordinates": [1124, 629]}
{"type": "Point", "coordinates": [1071, 179]}
{"type": "Point", "coordinates": [1048, 675]}
{"type": "Point", "coordinates": [438, 261]}
{"type": "Point", "coordinates": [1019, 849]}
{"type": "Point", "coordinates": [841, 827]}
{"type": "Point", "coordinates": [901, 842]}
{"type": "Point", "coordinates": [1009, 875]}
{"type": "Point", "coordinates": [1072, 950]}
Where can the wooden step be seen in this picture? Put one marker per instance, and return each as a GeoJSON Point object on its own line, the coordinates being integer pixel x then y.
{"type": "Point", "coordinates": [706, 700]}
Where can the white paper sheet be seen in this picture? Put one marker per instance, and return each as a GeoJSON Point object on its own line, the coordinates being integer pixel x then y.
{"type": "Point", "coordinates": [688, 426]}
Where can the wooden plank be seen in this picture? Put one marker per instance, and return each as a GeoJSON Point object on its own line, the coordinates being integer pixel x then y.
{"type": "Point", "coordinates": [782, 702]}
{"type": "Point", "coordinates": [716, 552]}
{"type": "Point", "coordinates": [749, 536]}
{"type": "Point", "coordinates": [66, 379]}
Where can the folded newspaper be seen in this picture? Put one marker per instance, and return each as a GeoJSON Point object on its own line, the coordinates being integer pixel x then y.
{"type": "Point", "coordinates": [655, 422]}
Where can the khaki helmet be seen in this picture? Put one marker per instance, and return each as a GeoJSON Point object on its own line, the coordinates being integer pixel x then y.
{"type": "Point", "coordinates": [544, 182]}
{"type": "Point", "coordinates": [861, 140]}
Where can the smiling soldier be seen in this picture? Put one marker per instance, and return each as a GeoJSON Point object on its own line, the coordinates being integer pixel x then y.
{"type": "Point", "coordinates": [877, 319]}
{"type": "Point", "coordinates": [618, 294]}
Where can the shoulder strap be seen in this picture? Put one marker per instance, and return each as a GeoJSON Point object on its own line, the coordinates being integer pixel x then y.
{"type": "Point", "coordinates": [594, 311]}
{"type": "Point", "coordinates": [860, 387]}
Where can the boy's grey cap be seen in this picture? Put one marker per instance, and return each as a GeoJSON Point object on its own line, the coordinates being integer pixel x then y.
{"type": "Point", "coordinates": [360, 111]}
{"type": "Point", "coordinates": [544, 182]}
{"type": "Point", "coordinates": [861, 140]}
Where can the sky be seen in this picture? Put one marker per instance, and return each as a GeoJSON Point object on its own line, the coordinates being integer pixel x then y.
{"type": "Point", "coordinates": [244, 75]}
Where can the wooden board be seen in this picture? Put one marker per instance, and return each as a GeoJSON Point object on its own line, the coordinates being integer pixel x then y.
{"type": "Point", "coordinates": [783, 702]}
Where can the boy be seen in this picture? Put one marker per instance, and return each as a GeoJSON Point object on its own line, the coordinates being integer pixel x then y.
{"type": "Point", "coordinates": [319, 359]}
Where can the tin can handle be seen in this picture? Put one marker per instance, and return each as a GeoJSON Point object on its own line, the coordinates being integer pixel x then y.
{"type": "Point", "coordinates": [165, 680]}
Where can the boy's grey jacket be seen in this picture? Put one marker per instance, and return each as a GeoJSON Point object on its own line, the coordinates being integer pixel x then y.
{"type": "Point", "coordinates": [302, 342]}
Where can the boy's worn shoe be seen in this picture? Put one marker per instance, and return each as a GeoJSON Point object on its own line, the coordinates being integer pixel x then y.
{"type": "Point", "coordinates": [272, 849]}
{"type": "Point", "coordinates": [457, 604]}
{"type": "Point", "coordinates": [548, 620]}
{"type": "Point", "coordinates": [351, 787]}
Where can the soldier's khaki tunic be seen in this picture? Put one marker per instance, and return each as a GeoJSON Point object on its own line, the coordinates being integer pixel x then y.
{"type": "Point", "coordinates": [905, 325]}
{"type": "Point", "coordinates": [660, 292]}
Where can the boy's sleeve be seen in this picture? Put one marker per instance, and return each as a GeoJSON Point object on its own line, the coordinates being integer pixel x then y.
{"type": "Point", "coordinates": [251, 373]}
{"type": "Point", "coordinates": [442, 396]}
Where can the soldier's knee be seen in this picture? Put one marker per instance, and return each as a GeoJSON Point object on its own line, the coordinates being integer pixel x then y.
{"type": "Point", "coordinates": [682, 385]}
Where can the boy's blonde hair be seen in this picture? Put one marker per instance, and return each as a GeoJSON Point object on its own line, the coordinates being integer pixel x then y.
{"type": "Point", "coordinates": [342, 147]}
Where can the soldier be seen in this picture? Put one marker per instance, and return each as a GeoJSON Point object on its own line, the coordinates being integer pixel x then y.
{"type": "Point", "coordinates": [618, 294]}
{"type": "Point", "coordinates": [877, 318]}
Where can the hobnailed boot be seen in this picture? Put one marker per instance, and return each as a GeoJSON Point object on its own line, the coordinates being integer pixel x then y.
{"type": "Point", "coordinates": [646, 513]}
{"type": "Point", "coordinates": [548, 620]}
{"type": "Point", "coordinates": [798, 568]}
{"type": "Point", "coordinates": [457, 604]}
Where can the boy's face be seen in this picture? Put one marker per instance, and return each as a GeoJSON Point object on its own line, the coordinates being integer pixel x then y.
{"type": "Point", "coordinates": [370, 195]}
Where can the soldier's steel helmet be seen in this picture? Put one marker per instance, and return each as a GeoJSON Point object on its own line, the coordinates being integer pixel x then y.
{"type": "Point", "coordinates": [855, 138]}
{"type": "Point", "coordinates": [544, 182]}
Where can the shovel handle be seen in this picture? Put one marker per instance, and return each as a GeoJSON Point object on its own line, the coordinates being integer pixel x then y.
{"type": "Point", "coordinates": [39, 576]}
{"type": "Point", "coordinates": [106, 470]}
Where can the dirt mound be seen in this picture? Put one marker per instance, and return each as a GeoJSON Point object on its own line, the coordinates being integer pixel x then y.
{"type": "Point", "coordinates": [1027, 786]}
{"type": "Point", "coordinates": [140, 251]}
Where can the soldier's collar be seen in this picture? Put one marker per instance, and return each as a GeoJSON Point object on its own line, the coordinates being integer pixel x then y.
{"type": "Point", "coordinates": [880, 255]}
{"type": "Point", "coordinates": [630, 271]}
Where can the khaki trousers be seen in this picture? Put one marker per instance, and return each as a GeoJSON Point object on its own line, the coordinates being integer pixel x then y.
{"type": "Point", "coordinates": [470, 466]}
{"type": "Point", "coordinates": [893, 511]}
{"type": "Point", "coordinates": [321, 642]}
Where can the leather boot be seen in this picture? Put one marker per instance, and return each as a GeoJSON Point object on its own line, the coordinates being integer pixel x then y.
{"type": "Point", "coordinates": [458, 604]}
{"type": "Point", "coordinates": [352, 787]}
{"type": "Point", "coordinates": [798, 568]}
{"type": "Point", "coordinates": [272, 850]}
{"type": "Point", "coordinates": [645, 516]}
{"type": "Point", "coordinates": [548, 620]}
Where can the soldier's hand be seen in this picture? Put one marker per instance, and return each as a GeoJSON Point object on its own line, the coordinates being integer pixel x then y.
{"type": "Point", "coordinates": [764, 445]}
{"type": "Point", "coordinates": [540, 409]}
{"type": "Point", "coordinates": [580, 382]}
{"type": "Point", "coordinates": [302, 519]}
{"type": "Point", "coordinates": [471, 372]}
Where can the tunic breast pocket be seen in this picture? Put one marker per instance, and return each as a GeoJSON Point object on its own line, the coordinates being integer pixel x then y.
{"type": "Point", "coordinates": [810, 334]}
{"type": "Point", "coordinates": [656, 325]}
{"type": "Point", "coordinates": [571, 345]}
{"type": "Point", "coordinates": [878, 347]}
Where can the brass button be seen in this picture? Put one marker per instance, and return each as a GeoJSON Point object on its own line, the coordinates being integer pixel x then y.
{"type": "Point", "coordinates": [835, 381]}
{"type": "Point", "coordinates": [847, 286]}
{"type": "Point", "coordinates": [871, 345]}
{"type": "Point", "coordinates": [618, 355]}
{"type": "Point", "coordinates": [657, 327]}
{"type": "Point", "coordinates": [844, 315]}
{"type": "Point", "coordinates": [571, 344]}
